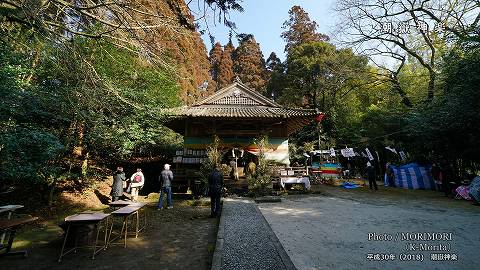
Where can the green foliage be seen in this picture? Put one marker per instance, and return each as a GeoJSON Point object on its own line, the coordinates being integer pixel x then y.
{"type": "Point", "coordinates": [27, 151]}
{"type": "Point", "coordinates": [28, 156]}
{"type": "Point", "coordinates": [276, 76]}
{"type": "Point", "coordinates": [214, 158]}
{"type": "Point", "coordinates": [117, 95]}
{"type": "Point", "coordinates": [262, 178]}
{"type": "Point", "coordinates": [336, 82]}
{"type": "Point", "coordinates": [450, 126]}
{"type": "Point", "coordinates": [89, 95]}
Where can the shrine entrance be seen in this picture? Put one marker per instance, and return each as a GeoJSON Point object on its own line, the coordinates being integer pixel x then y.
{"type": "Point", "coordinates": [237, 115]}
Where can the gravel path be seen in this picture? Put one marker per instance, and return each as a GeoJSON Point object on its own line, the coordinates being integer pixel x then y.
{"type": "Point", "coordinates": [249, 242]}
{"type": "Point", "coordinates": [331, 231]}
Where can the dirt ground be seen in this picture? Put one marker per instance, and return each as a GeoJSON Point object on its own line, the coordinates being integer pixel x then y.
{"type": "Point", "coordinates": [331, 230]}
{"type": "Point", "coordinates": [179, 238]}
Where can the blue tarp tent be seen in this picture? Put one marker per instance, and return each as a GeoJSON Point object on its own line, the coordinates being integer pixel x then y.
{"type": "Point", "coordinates": [413, 176]}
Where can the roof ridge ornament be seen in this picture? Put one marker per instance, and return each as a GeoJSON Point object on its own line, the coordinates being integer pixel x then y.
{"type": "Point", "coordinates": [237, 79]}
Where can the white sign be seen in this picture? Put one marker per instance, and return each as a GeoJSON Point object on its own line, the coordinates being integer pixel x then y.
{"type": "Point", "coordinates": [347, 152]}
{"type": "Point", "coordinates": [332, 152]}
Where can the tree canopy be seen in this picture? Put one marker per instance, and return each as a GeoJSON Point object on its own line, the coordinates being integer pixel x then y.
{"type": "Point", "coordinates": [249, 64]}
{"type": "Point", "coordinates": [299, 28]}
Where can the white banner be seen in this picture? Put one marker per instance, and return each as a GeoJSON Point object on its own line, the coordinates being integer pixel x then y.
{"type": "Point", "coordinates": [370, 156]}
{"type": "Point", "coordinates": [391, 149]}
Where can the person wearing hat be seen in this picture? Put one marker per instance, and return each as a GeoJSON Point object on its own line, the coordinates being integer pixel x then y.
{"type": "Point", "coordinates": [165, 179]}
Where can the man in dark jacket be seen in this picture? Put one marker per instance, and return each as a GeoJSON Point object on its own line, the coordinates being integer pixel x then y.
{"type": "Point", "coordinates": [215, 183]}
{"type": "Point", "coordinates": [117, 186]}
{"type": "Point", "coordinates": [165, 178]}
{"type": "Point", "coordinates": [371, 176]}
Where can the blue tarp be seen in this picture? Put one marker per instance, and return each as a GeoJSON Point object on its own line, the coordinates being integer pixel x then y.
{"type": "Point", "coordinates": [474, 189]}
{"type": "Point", "coordinates": [349, 185]}
{"type": "Point", "coordinates": [413, 176]}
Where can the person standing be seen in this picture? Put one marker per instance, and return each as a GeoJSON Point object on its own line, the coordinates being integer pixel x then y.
{"type": "Point", "coordinates": [117, 186]}
{"type": "Point", "coordinates": [437, 175]}
{"type": "Point", "coordinates": [165, 178]}
{"type": "Point", "coordinates": [390, 175]}
{"type": "Point", "coordinates": [234, 171]}
{"type": "Point", "coordinates": [448, 177]}
{"type": "Point", "coordinates": [215, 183]}
{"type": "Point", "coordinates": [371, 176]}
{"type": "Point", "coordinates": [137, 180]}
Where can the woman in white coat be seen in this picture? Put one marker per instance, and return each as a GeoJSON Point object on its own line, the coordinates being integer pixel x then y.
{"type": "Point", "coordinates": [137, 181]}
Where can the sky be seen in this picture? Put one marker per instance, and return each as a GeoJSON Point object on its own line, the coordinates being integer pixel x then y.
{"type": "Point", "coordinates": [264, 19]}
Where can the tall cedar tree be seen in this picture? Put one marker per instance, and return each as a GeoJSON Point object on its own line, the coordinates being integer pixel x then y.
{"type": "Point", "coordinates": [275, 75]}
{"type": "Point", "coordinates": [226, 66]}
{"type": "Point", "coordinates": [249, 64]}
{"type": "Point", "coordinates": [186, 51]}
{"type": "Point", "coordinates": [215, 59]}
{"type": "Point", "coordinates": [300, 29]}
{"type": "Point", "coordinates": [273, 62]}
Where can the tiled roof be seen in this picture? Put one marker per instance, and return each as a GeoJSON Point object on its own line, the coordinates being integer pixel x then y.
{"type": "Point", "coordinates": [240, 112]}
{"type": "Point", "coordinates": [238, 101]}
{"type": "Point", "coordinates": [237, 94]}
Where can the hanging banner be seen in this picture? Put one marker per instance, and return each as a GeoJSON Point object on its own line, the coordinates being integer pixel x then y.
{"type": "Point", "coordinates": [370, 156]}
{"type": "Point", "coordinates": [332, 152]}
{"type": "Point", "coordinates": [391, 149]}
{"type": "Point", "coordinates": [278, 153]}
{"type": "Point", "coordinates": [348, 152]}
{"type": "Point", "coordinates": [402, 155]}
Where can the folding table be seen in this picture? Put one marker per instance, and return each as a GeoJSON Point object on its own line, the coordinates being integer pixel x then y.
{"type": "Point", "coordinates": [9, 209]}
{"type": "Point", "coordinates": [11, 225]}
{"type": "Point", "coordinates": [84, 219]}
{"type": "Point", "coordinates": [123, 203]}
{"type": "Point", "coordinates": [125, 213]}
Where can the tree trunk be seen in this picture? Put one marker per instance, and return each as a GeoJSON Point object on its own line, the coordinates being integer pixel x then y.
{"type": "Point", "coordinates": [78, 148]}
{"type": "Point", "coordinates": [51, 192]}
{"type": "Point", "coordinates": [85, 165]}
{"type": "Point", "coordinates": [431, 85]}
{"type": "Point", "coordinates": [405, 100]}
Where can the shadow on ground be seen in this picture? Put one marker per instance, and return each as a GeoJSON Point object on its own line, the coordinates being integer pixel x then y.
{"type": "Point", "coordinates": [180, 238]}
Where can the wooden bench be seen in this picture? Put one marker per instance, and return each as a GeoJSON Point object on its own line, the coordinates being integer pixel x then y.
{"type": "Point", "coordinates": [82, 219]}
{"type": "Point", "coordinates": [126, 212]}
{"type": "Point", "coordinates": [9, 209]}
{"type": "Point", "coordinates": [11, 226]}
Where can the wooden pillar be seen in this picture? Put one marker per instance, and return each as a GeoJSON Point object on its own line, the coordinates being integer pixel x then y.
{"type": "Point", "coordinates": [187, 133]}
